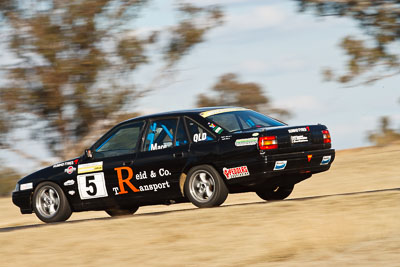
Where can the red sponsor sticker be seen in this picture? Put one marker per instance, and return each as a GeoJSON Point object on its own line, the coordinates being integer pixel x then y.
{"type": "Point", "coordinates": [70, 170]}
{"type": "Point", "coordinates": [236, 172]}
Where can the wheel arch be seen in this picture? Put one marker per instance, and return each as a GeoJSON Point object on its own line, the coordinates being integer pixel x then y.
{"type": "Point", "coordinates": [63, 189]}
{"type": "Point", "coordinates": [183, 176]}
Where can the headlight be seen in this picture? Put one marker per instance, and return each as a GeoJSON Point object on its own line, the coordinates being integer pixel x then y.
{"type": "Point", "coordinates": [16, 188]}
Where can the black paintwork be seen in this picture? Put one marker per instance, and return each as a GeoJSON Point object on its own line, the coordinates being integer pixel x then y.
{"type": "Point", "coordinates": [220, 153]}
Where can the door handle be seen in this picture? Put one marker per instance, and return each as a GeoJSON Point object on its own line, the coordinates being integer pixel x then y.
{"type": "Point", "coordinates": [127, 163]}
{"type": "Point", "coordinates": [179, 155]}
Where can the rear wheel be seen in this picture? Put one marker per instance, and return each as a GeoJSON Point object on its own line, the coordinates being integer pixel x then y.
{"type": "Point", "coordinates": [50, 203]}
{"type": "Point", "coordinates": [204, 187]}
{"type": "Point", "coordinates": [275, 193]}
{"type": "Point", "coordinates": [121, 212]}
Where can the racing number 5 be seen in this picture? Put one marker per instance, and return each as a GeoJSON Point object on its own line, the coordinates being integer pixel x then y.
{"type": "Point", "coordinates": [90, 184]}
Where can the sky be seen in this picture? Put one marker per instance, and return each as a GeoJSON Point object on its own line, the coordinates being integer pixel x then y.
{"type": "Point", "coordinates": [269, 43]}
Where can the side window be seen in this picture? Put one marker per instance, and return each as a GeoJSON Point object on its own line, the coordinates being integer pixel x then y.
{"type": "Point", "coordinates": [251, 122]}
{"type": "Point", "coordinates": [246, 124]}
{"type": "Point", "coordinates": [227, 120]}
{"type": "Point", "coordinates": [122, 140]}
{"type": "Point", "coordinates": [160, 134]}
{"type": "Point", "coordinates": [181, 136]}
{"type": "Point", "coordinates": [198, 133]}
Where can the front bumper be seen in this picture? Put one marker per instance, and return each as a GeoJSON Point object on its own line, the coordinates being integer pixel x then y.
{"type": "Point", "coordinates": [23, 199]}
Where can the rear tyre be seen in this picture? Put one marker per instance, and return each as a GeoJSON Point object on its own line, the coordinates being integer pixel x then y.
{"type": "Point", "coordinates": [275, 193]}
{"type": "Point", "coordinates": [204, 187]}
{"type": "Point", "coordinates": [50, 203]}
{"type": "Point", "coordinates": [121, 212]}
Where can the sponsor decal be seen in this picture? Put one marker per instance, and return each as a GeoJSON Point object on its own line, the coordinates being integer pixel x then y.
{"type": "Point", "coordinates": [154, 187]}
{"type": "Point", "coordinates": [255, 134]}
{"type": "Point", "coordinates": [156, 146]}
{"type": "Point", "coordinates": [219, 111]}
{"type": "Point", "coordinates": [326, 160]}
{"type": "Point", "coordinates": [215, 128]}
{"type": "Point", "coordinates": [309, 157]}
{"type": "Point", "coordinates": [199, 137]}
{"type": "Point", "coordinates": [62, 164]}
{"type": "Point", "coordinates": [299, 139]}
{"type": "Point", "coordinates": [90, 167]}
{"type": "Point", "coordinates": [236, 172]}
{"type": "Point", "coordinates": [246, 142]}
{"type": "Point", "coordinates": [218, 130]}
{"type": "Point", "coordinates": [72, 192]}
{"type": "Point", "coordinates": [70, 170]}
{"type": "Point", "coordinates": [69, 182]}
{"type": "Point", "coordinates": [299, 130]}
{"type": "Point", "coordinates": [280, 165]}
{"type": "Point", "coordinates": [26, 186]}
{"type": "Point", "coordinates": [92, 185]}
{"type": "Point", "coordinates": [125, 175]}
{"type": "Point", "coordinates": [226, 137]}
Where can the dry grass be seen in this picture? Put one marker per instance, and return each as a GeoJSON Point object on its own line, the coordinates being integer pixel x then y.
{"type": "Point", "coordinates": [359, 229]}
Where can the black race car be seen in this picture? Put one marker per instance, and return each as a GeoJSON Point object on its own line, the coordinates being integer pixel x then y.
{"type": "Point", "coordinates": [197, 155]}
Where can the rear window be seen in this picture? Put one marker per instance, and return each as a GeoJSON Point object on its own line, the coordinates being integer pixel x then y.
{"type": "Point", "coordinates": [242, 120]}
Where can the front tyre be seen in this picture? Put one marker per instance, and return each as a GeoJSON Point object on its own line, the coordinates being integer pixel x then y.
{"type": "Point", "coordinates": [275, 193]}
{"type": "Point", "coordinates": [204, 187]}
{"type": "Point", "coordinates": [50, 203]}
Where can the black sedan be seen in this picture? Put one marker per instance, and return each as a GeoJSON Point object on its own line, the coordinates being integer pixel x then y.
{"type": "Point", "coordinates": [197, 155]}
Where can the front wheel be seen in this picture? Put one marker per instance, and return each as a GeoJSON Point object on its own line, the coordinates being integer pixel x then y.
{"type": "Point", "coordinates": [275, 193]}
{"type": "Point", "coordinates": [50, 203]}
{"type": "Point", "coordinates": [204, 187]}
{"type": "Point", "coordinates": [121, 212]}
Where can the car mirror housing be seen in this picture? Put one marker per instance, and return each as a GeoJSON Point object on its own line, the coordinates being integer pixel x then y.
{"type": "Point", "coordinates": [88, 153]}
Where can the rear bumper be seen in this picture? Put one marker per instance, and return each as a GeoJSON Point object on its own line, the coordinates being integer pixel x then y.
{"type": "Point", "coordinates": [23, 199]}
{"type": "Point", "coordinates": [293, 167]}
{"type": "Point", "coordinates": [299, 162]}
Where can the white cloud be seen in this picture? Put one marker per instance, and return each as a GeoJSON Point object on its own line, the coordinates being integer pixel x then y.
{"type": "Point", "coordinates": [216, 2]}
{"type": "Point", "coordinates": [299, 103]}
{"type": "Point", "coordinates": [254, 66]}
{"type": "Point", "coordinates": [256, 18]}
{"type": "Point", "coordinates": [282, 65]}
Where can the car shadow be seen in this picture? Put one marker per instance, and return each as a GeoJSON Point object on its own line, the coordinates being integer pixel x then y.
{"type": "Point", "coordinates": [157, 213]}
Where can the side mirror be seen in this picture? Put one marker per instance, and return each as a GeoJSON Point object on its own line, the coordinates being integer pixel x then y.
{"type": "Point", "coordinates": [88, 153]}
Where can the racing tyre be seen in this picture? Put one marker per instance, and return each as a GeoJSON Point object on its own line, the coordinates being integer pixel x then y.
{"type": "Point", "coordinates": [50, 203]}
{"type": "Point", "coordinates": [121, 212]}
{"type": "Point", "coordinates": [204, 187]}
{"type": "Point", "coordinates": [277, 193]}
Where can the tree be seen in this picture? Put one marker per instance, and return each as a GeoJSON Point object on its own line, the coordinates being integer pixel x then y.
{"type": "Point", "coordinates": [76, 62]}
{"type": "Point", "coordinates": [385, 135]}
{"type": "Point", "coordinates": [373, 57]}
{"type": "Point", "coordinates": [229, 91]}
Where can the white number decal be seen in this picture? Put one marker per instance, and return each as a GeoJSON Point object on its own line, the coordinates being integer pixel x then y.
{"type": "Point", "coordinates": [199, 137]}
{"type": "Point", "coordinates": [92, 185]}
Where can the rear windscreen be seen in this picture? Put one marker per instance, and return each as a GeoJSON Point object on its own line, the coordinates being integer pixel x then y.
{"type": "Point", "coordinates": [242, 120]}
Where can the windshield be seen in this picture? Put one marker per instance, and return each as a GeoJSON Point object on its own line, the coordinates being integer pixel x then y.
{"type": "Point", "coordinates": [242, 120]}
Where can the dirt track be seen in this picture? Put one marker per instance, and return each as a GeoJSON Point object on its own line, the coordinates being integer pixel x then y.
{"type": "Point", "coordinates": [347, 216]}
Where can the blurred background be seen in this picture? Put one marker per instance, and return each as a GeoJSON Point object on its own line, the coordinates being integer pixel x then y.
{"type": "Point", "coordinates": [70, 70]}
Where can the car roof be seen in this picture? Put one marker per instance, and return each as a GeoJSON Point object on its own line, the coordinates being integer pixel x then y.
{"type": "Point", "coordinates": [178, 112]}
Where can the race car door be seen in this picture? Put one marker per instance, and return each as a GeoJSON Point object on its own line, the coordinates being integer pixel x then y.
{"type": "Point", "coordinates": [99, 178]}
{"type": "Point", "coordinates": [162, 159]}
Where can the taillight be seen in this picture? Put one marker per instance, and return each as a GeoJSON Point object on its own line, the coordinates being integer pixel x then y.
{"type": "Point", "coordinates": [267, 142]}
{"type": "Point", "coordinates": [326, 136]}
